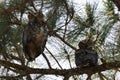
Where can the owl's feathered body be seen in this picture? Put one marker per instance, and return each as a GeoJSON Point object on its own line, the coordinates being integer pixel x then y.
{"type": "Point", "coordinates": [85, 56]}
{"type": "Point", "coordinates": [34, 36]}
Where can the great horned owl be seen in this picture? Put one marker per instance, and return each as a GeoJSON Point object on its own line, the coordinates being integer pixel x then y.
{"type": "Point", "coordinates": [85, 56]}
{"type": "Point", "coordinates": [34, 36]}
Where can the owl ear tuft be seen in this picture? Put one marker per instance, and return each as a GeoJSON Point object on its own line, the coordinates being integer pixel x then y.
{"type": "Point", "coordinates": [40, 16]}
{"type": "Point", "coordinates": [30, 16]}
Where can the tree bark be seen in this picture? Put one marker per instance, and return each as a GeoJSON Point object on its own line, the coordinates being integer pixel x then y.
{"type": "Point", "coordinates": [64, 72]}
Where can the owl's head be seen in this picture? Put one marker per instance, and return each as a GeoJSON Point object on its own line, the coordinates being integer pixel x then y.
{"type": "Point", "coordinates": [35, 17]}
{"type": "Point", "coordinates": [86, 44]}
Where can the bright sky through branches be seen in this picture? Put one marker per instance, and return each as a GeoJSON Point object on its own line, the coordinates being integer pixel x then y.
{"type": "Point", "coordinates": [81, 3]}
{"type": "Point", "coordinates": [78, 4]}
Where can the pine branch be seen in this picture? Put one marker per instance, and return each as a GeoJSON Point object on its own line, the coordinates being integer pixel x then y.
{"type": "Point", "coordinates": [48, 61]}
{"type": "Point", "coordinates": [54, 58]}
{"type": "Point", "coordinates": [18, 7]}
{"type": "Point", "coordinates": [58, 36]}
{"type": "Point", "coordinates": [63, 72]}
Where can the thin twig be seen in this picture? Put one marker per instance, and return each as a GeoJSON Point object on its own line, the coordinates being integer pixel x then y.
{"type": "Point", "coordinates": [89, 77]}
{"type": "Point", "coordinates": [47, 60]}
{"type": "Point", "coordinates": [41, 5]}
{"type": "Point", "coordinates": [54, 58]}
{"type": "Point", "coordinates": [21, 58]}
{"type": "Point", "coordinates": [11, 9]}
{"type": "Point", "coordinates": [33, 6]}
{"type": "Point", "coordinates": [68, 57]}
{"type": "Point", "coordinates": [55, 9]}
{"type": "Point", "coordinates": [64, 41]}
{"type": "Point", "coordinates": [101, 76]}
{"type": "Point", "coordinates": [65, 32]}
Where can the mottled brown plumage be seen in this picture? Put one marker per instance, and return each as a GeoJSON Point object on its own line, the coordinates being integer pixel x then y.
{"type": "Point", "coordinates": [34, 36]}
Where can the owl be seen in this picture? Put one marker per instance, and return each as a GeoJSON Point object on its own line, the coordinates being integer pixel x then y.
{"type": "Point", "coordinates": [85, 56]}
{"type": "Point", "coordinates": [35, 35]}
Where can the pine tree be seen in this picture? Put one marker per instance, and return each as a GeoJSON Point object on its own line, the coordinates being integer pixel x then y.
{"type": "Point", "coordinates": [67, 27]}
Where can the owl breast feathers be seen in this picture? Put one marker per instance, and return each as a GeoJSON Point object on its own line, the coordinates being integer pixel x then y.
{"type": "Point", "coordinates": [86, 57]}
{"type": "Point", "coordinates": [34, 36]}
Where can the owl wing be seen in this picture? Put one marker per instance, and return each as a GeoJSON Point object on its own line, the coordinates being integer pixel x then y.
{"type": "Point", "coordinates": [34, 41]}
{"type": "Point", "coordinates": [26, 40]}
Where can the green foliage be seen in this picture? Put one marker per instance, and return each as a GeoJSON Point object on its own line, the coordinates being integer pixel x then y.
{"type": "Point", "coordinates": [84, 22]}
{"type": "Point", "coordinates": [58, 10]}
{"type": "Point", "coordinates": [90, 13]}
{"type": "Point", "coordinates": [10, 35]}
{"type": "Point", "coordinates": [69, 26]}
